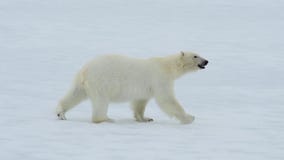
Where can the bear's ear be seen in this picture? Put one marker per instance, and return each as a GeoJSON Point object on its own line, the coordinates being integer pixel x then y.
{"type": "Point", "coordinates": [182, 54]}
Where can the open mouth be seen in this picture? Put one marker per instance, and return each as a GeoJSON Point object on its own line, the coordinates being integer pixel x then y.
{"type": "Point", "coordinates": [201, 66]}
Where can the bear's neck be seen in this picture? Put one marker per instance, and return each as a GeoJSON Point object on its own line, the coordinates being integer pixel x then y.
{"type": "Point", "coordinates": [173, 65]}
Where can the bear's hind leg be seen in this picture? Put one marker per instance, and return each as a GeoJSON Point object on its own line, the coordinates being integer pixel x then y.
{"type": "Point", "coordinates": [138, 107]}
{"type": "Point", "coordinates": [100, 107]}
{"type": "Point", "coordinates": [70, 100]}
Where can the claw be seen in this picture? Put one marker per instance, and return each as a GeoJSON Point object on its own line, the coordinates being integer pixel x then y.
{"type": "Point", "coordinates": [145, 120]}
{"type": "Point", "coordinates": [61, 116]}
{"type": "Point", "coordinates": [149, 119]}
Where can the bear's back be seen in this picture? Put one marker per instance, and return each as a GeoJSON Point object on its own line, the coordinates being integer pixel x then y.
{"type": "Point", "coordinates": [122, 78]}
{"type": "Point", "coordinates": [122, 66]}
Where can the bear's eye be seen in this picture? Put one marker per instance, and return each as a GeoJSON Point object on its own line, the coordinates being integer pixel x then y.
{"type": "Point", "coordinates": [195, 57]}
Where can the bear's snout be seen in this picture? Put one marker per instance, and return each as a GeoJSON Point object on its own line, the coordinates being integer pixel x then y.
{"type": "Point", "coordinates": [203, 64]}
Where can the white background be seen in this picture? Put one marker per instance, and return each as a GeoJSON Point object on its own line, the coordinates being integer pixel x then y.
{"type": "Point", "coordinates": [238, 100]}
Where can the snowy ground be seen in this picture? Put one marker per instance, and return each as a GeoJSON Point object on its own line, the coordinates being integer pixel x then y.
{"type": "Point", "coordinates": [238, 100]}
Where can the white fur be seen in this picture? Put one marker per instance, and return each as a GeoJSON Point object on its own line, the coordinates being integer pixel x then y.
{"type": "Point", "coordinates": [116, 78]}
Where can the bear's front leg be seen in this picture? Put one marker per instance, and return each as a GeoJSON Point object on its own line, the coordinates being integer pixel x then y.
{"type": "Point", "coordinates": [187, 119]}
{"type": "Point", "coordinates": [169, 104]}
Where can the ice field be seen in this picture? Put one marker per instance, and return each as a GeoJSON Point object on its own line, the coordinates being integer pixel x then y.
{"type": "Point", "coordinates": [238, 101]}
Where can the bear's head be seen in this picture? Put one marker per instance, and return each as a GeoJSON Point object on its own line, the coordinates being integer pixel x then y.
{"type": "Point", "coordinates": [190, 61]}
{"type": "Point", "coordinates": [186, 62]}
{"type": "Point", "coordinates": [183, 62]}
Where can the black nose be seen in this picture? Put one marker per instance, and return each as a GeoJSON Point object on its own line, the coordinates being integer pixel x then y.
{"type": "Point", "coordinates": [205, 63]}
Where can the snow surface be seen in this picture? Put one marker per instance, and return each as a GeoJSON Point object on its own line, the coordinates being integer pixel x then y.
{"type": "Point", "coordinates": [238, 100]}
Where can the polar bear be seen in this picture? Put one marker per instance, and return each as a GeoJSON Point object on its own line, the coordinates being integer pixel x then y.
{"type": "Point", "coordinates": [117, 78]}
